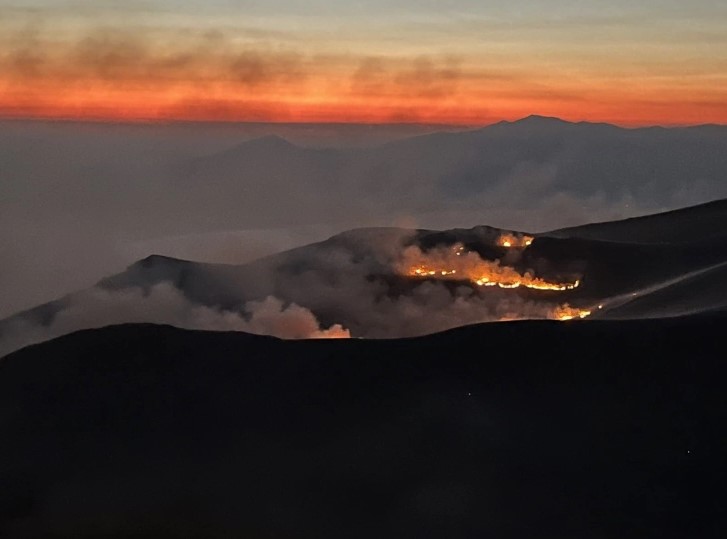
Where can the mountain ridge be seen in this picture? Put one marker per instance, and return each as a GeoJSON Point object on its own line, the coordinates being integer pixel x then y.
{"type": "Point", "coordinates": [360, 280]}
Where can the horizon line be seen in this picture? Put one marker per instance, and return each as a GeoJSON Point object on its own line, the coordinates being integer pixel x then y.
{"type": "Point", "coordinates": [231, 123]}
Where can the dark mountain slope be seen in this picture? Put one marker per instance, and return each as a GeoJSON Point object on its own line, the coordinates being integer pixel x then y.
{"type": "Point", "coordinates": [527, 429]}
{"type": "Point", "coordinates": [700, 291]}
{"type": "Point", "coordinates": [705, 222]}
{"type": "Point", "coordinates": [355, 279]}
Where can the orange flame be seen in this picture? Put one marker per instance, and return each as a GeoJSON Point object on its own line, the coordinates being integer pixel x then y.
{"type": "Point", "coordinates": [566, 312]}
{"type": "Point", "coordinates": [457, 263]}
{"type": "Point", "coordinates": [510, 240]}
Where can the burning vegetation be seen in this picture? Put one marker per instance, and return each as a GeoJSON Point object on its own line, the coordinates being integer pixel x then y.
{"type": "Point", "coordinates": [510, 240]}
{"type": "Point", "coordinates": [456, 263]}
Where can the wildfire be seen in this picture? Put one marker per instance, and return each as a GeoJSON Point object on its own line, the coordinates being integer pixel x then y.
{"type": "Point", "coordinates": [512, 241]}
{"type": "Point", "coordinates": [566, 312]}
{"type": "Point", "coordinates": [458, 264]}
{"type": "Point", "coordinates": [467, 265]}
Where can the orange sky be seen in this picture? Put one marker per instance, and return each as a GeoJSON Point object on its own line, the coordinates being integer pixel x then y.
{"type": "Point", "coordinates": [470, 71]}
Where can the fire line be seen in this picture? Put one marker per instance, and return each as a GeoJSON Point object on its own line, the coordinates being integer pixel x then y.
{"type": "Point", "coordinates": [459, 264]}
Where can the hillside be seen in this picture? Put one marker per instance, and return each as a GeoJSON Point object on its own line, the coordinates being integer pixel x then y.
{"type": "Point", "coordinates": [550, 429]}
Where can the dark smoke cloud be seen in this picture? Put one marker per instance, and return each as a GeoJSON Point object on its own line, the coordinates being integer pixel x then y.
{"type": "Point", "coordinates": [221, 75]}
{"type": "Point", "coordinates": [144, 58]}
{"type": "Point", "coordinates": [133, 57]}
{"type": "Point", "coordinates": [253, 68]}
{"type": "Point", "coordinates": [421, 77]}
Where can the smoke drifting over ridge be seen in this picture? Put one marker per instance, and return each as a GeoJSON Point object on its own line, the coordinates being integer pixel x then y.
{"type": "Point", "coordinates": [104, 196]}
{"type": "Point", "coordinates": [163, 303]}
{"type": "Point", "coordinates": [356, 284]}
{"type": "Point", "coordinates": [394, 282]}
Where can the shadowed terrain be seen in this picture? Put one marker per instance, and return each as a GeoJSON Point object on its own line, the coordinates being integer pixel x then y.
{"type": "Point", "coordinates": [503, 430]}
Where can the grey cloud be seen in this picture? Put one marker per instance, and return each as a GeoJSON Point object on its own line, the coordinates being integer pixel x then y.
{"type": "Point", "coordinates": [424, 76]}
{"type": "Point", "coordinates": [112, 54]}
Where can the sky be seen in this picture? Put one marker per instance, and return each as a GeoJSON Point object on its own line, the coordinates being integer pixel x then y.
{"type": "Point", "coordinates": [461, 62]}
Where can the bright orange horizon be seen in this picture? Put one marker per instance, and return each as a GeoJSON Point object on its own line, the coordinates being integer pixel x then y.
{"type": "Point", "coordinates": [468, 64]}
{"type": "Point", "coordinates": [153, 109]}
{"type": "Point", "coordinates": [213, 101]}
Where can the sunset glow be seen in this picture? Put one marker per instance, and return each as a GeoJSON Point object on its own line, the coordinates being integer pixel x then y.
{"type": "Point", "coordinates": [424, 65]}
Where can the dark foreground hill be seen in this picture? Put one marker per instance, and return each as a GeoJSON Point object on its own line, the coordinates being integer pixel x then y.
{"type": "Point", "coordinates": [587, 429]}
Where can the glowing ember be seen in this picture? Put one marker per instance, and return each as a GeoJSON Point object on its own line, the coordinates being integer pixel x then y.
{"type": "Point", "coordinates": [458, 264]}
{"type": "Point", "coordinates": [511, 240]}
{"type": "Point", "coordinates": [566, 312]}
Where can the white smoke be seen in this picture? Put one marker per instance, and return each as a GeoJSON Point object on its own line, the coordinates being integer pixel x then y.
{"type": "Point", "coordinates": [271, 317]}
{"type": "Point", "coordinates": [165, 304]}
{"type": "Point", "coordinates": [432, 307]}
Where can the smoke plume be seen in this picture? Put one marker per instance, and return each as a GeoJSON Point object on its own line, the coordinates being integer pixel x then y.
{"type": "Point", "coordinates": [165, 304]}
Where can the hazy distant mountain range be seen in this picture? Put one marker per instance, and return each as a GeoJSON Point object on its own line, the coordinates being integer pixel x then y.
{"type": "Point", "coordinates": [518, 165]}
{"type": "Point", "coordinates": [108, 195]}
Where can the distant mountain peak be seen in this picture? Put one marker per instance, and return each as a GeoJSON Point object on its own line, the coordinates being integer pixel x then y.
{"type": "Point", "coordinates": [155, 260]}
{"type": "Point", "coordinates": [262, 145]}
{"type": "Point", "coordinates": [542, 120]}
{"type": "Point", "coordinates": [164, 261]}
{"type": "Point", "coordinates": [267, 143]}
